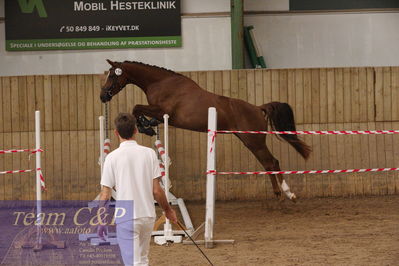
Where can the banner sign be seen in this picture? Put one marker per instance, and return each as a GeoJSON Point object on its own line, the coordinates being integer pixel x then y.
{"type": "Point", "coordinates": [72, 25]}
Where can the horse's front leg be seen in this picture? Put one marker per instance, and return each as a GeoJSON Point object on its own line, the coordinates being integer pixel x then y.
{"type": "Point", "coordinates": [143, 124]}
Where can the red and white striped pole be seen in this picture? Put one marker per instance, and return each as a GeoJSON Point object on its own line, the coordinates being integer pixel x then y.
{"type": "Point", "coordinates": [162, 160]}
{"type": "Point", "coordinates": [107, 147]}
{"type": "Point", "coordinates": [161, 151]}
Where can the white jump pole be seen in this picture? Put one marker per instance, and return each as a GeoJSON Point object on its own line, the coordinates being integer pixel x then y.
{"type": "Point", "coordinates": [167, 226]}
{"type": "Point", "coordinates": [163, 237]}
{"type": "Point", "coordinates": [102, 119]}
{"type": "Point", "coordinates": [210, 178]}
{"type": "Point", "coordinates": [38, 182]}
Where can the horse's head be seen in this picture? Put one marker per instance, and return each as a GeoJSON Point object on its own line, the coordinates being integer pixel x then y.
{"type": "Point", "coordinates": [116, 81]}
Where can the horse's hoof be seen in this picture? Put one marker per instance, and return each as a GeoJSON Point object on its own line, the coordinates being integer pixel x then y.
{"type": "Point", "coordinates": [143, 121]}
{"type": "Point", "coordinates": [154, 122]}
{"type": "Point", "coordinates": [140, 128]}
{"type": "Point", "coordinates": [149, 131]}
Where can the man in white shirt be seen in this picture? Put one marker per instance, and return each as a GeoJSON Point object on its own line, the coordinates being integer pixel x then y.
{"type": "Point", "coordinates": [133, 170]}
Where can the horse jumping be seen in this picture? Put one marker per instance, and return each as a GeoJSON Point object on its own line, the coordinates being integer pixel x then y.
{"type": "Point", "coordinates": [187, 104]}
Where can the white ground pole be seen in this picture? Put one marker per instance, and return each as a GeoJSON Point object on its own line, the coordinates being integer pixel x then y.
{"type": "Point", "coordinates": [38, 183]}
{"type": "Point", "coordinates": [210, 178]}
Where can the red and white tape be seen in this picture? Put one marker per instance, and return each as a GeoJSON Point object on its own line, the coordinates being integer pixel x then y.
{"type": "Point", "coordinates": [213, 135]}
{"type": "Point", "coordinates": [312, 132]}
{"type": "Point", "coordinates": [107, 146]}
{"type": "Point", "coordinates": [16, 171]}
{"type": "Point", "coordinates": [27, 171]}
{"type": "Point", "coordinates": [304, 172]}
{"type": "Point", "coordinates": [328, 132]}
{"type": "Point", "coordinates": [23, 150]}
{"type": "Point", "coordinates": [43, 185]}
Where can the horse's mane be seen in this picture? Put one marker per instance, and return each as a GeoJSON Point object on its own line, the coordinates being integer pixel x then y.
{"type": "Point", "coordinates": [148, 65]}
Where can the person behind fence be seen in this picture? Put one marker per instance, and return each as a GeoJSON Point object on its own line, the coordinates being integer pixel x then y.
{"type": "Point", "coordinates": [133, 170]}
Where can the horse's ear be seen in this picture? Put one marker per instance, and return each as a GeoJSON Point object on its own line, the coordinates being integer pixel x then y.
{"type": "Point", "coordinates": [111, 63]}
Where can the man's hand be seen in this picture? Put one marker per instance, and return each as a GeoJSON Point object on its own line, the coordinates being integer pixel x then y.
{"type": "Point", "coordinates": [171, 215]}
{"type": "Point", "coordinates": [160, 197]}
{"type": "Point", "coordinates": [102, 231]}
{"type": "Point", "coordinates": [105, 196]}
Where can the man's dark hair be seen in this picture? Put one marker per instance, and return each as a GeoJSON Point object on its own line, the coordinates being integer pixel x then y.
{"type": "Point", "coordinates": [125, 124]}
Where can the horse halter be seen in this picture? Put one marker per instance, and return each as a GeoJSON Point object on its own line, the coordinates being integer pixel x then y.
{"type": "Point", "coordinates": [118, 72]}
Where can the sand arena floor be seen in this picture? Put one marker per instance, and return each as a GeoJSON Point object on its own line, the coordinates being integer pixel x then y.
{"type": "Point", "coordinates": [320, 231]}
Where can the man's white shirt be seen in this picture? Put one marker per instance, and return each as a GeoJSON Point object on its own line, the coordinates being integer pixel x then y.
{"type": "Point", "coordinates": [131, 169]}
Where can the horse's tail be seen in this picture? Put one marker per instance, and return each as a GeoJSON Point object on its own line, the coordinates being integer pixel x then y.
{"type": "Point", "coordinates": [281, 118]}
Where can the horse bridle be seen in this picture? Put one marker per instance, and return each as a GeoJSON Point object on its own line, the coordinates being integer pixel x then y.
{"type": "Point", "coordinates": [118, 72]}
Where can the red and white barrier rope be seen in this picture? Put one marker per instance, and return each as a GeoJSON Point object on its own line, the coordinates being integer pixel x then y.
{"type": "Point", "coordinates": [22, 150]}
{"type": "Point", "coordinates": [313, 132]}
{"type": "Point", "coordinates": [212, 134]}
{"type": "Point", "coordinates": [27, 171]}
{"type": "Point", "coordinates": [305, 172]}
{"type": "Point", "coordinates": [16, 171]}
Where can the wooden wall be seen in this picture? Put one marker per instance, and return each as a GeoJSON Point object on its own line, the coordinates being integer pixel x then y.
{"type": "Point", "coordinates": [322, 99]}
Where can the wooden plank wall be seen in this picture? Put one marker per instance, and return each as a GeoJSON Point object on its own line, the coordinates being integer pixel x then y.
{"type": "Point", "coordinates": [322, 99]}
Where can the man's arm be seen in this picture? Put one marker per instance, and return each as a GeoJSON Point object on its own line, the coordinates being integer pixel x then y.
{"type": "Point", "coordinates": [105, 196]}
{"type": "Point", "coordinates": [159, 196]}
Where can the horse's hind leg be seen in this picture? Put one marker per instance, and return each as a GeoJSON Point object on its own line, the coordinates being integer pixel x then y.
{"type": "Point", "coordinates": [257, 145]}
{"type": "Point", "coordinates": [283, 185]}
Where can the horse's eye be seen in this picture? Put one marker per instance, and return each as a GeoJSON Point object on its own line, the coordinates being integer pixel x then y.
{"type": "Point", "coordinates": [118, 71]}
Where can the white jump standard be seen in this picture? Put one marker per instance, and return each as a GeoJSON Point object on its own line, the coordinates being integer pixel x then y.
{"type": "Point", "coordinates": [38, 243]}
{"type": "Point", "coordinates": [211, 181]}
{"type": "Point", "coordinates": [110, 238]}
{"type": "Point", "coordinates": [212, 173]}
{"type": "Point", "coordinates": [166, 235]}
{"type": "Point", "coordinates": [160, 236]}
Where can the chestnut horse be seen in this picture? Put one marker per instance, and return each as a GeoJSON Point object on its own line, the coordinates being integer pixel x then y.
{"type": "Point", "coordinates": [187, 106]}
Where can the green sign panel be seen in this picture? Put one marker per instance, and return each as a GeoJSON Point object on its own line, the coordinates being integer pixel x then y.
{"type": "Point", "coordinates": [68, 25]}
